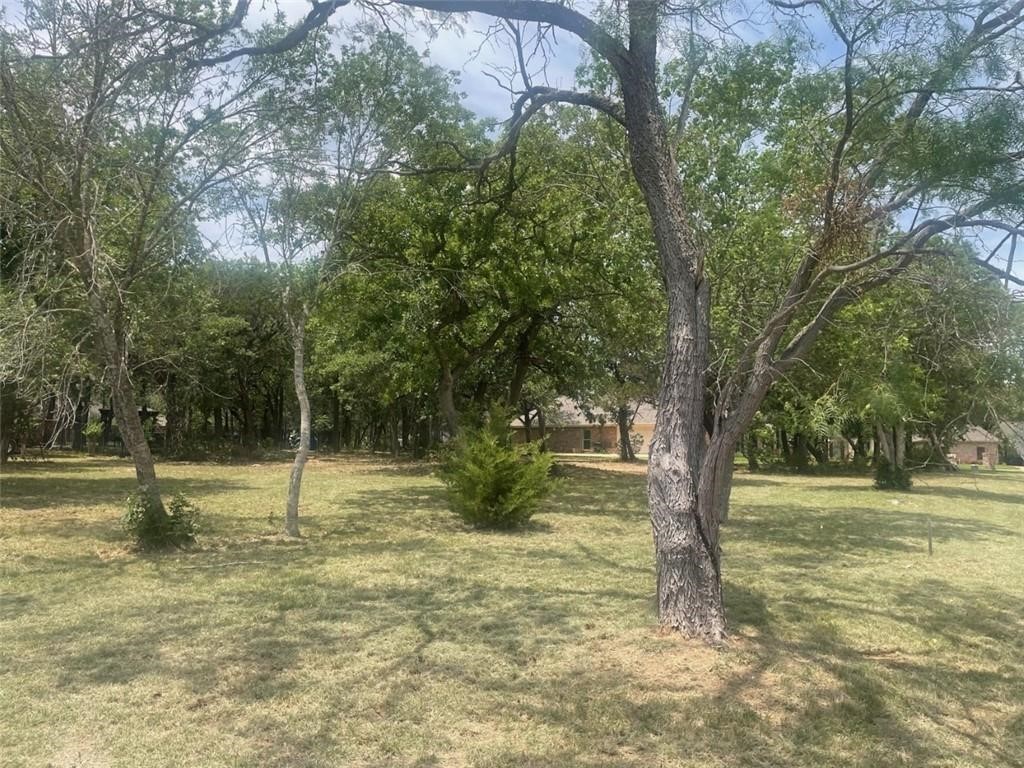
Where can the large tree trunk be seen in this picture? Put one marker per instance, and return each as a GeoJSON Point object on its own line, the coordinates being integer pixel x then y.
{"type": "Point", "coordinates": [291, 517]}
{"type": "Point", "coordinates": [689, 586]}
{"type": "Point", "coordinates": [886, 447]}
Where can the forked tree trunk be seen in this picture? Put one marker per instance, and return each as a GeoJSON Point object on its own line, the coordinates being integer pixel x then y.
{"type": "Point", "coordinates": [291, 516]}
{"type": "Point", "coordinates": [687, 476]}
{"type": "Point", "coordinates": [685, 525]}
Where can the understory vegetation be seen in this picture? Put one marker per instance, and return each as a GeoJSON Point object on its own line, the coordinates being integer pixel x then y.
{"type": "Point", "coordinates": [393, 635]}
{"type": "Point", "coordinates": [493, 483]}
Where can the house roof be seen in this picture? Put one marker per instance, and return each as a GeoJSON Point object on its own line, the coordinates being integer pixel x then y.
{"type": "Point", "coordinates": [568, 413]}
{"type": "Point", "coordinates": [978, 435]}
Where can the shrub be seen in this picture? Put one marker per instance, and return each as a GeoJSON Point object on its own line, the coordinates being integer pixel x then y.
{"type": "Point", "coordinates": [889, 477]}
{"type": "Point", "coordinates": [151, 529]}
{"type": "Point", "coordinates": [492, 483]}
{"type": "Point", "coordinates": [92, 432]}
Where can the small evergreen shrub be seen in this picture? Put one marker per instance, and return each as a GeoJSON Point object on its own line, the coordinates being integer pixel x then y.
{"type": "Point", "coordinates": [493, 483]}
{"type": "Point", "coordinates": [889, 477]}
{"type": "Point", "coordinates": [92, 432]}
{"type": "Point", "coordinates": [150, 529]}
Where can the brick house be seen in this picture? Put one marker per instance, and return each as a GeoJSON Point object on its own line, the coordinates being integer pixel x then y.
{"type": "Point", "coordinates": [977, 446]}
{"type": "Point", "coordinates": [570, 429]}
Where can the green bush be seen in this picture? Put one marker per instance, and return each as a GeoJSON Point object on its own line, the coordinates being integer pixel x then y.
{"type": "Point", "coordinates": [889, 477]}
{"type": "Point", "coordinates": [492, 483]}
{"type": "Point", "coordinates": [151, 529]}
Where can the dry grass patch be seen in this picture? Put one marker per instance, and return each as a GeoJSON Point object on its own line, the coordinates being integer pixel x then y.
{"type": "Point", "coordinates": [392, 635]}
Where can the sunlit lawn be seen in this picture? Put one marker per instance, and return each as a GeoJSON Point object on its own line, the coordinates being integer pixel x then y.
{"type": "Point", "coordinates": [393, 636]}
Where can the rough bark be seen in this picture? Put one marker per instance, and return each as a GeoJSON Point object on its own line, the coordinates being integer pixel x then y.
{"type": "Point", "coordinates": [291, 517]}
{"type": "Point", "coordinates": [685, 526]}
{"type": "Point", "coordinates": [886, 449]}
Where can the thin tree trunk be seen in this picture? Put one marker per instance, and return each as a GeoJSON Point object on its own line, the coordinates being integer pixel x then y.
{"type": "Point", "coordinates": [125, 409]}
{"type": "Point", "coordinates": [522, 360]}
{"type": "Point", "coordinates": [291, 518]}
{"type": "Point", "coordinates": [446, 398]}
{"type": "Point", "coordinates": [899, 441]}
{"type": "Point", "coordinates": [173, 425]}
{"type": "Point", "coordinates": [335, 421]}
{"type": "Point", "coordinates": [393, 428]}
{"type": "Point", "coordinates": [751, 452]}
{"type": "Point", "coordinates": [622, 417]}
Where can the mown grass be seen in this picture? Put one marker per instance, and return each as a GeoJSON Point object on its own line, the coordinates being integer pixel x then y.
{"type": "Point", "coordinates": [391, 635]}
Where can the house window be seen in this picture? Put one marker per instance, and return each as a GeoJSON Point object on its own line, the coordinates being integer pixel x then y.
{"type": "Point", "coordinates": [981, 453]}
{"type": "Point", "coordinates": [586, 440]}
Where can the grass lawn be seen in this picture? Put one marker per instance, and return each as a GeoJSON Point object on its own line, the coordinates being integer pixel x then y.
{"type": "Point", "coordinates": [393, 636]}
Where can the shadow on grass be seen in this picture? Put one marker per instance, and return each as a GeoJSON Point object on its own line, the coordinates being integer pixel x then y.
{"type": "Point", "coordinates": [874, 696]}
{"type": "Point", "coordinates": [41, 491]}
{"type": "Point", "coordinates": [263, 623]}
{"type": "Point", "coordinates": [851, 707]}
{"type": "Point", "coordinates": [813, 539]}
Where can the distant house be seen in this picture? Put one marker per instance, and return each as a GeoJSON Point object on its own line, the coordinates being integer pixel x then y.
{"type": "Point", "coordinates": [977, 446]}
{"type": "Point", "coordinates": [571, 429]}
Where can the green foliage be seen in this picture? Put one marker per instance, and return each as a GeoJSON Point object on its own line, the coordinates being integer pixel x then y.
{"type": "Point", "coordinates": [93, 430]}
{"type": "Point", "coordinates": [889, 477]}
{"type": "Point", "coordinates": [154, 528]}
{"type": "Point", "coordinates": [492, 483]}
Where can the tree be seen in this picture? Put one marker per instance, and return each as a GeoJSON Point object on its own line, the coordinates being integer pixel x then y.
{"type": "Point", "coordinates": [355, 121]}
{"type": "Point", "coordinates": [105, 153]}
{"type": "Point", "coordinates": [864, 147]}
{"type": "Point", "coordinates": [866, 168]}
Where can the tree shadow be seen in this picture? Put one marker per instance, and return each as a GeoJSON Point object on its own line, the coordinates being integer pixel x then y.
{"type": "Point", "coordinates": [922, 489]}
{"type": "Point", "coordinates": [394, 608]}
{"type": "Point", "coordinates": [42, 491]}
{"type": "Point", "coordinates": [802, 540]}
